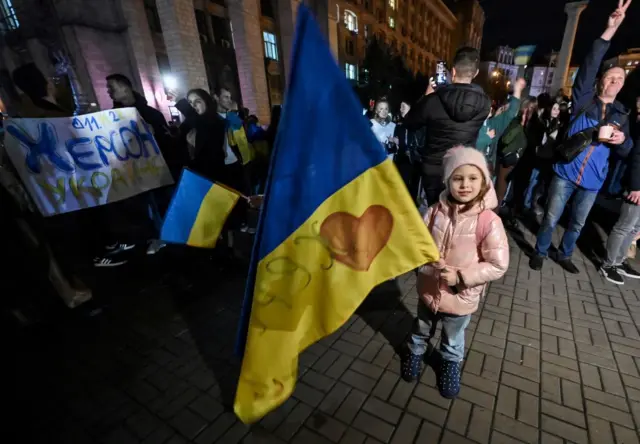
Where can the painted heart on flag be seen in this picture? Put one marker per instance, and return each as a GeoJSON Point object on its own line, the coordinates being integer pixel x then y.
{"type": "Point", "coordinates": [356, 241]}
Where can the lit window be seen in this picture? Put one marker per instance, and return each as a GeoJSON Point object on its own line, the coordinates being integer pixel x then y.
{"type": "Point", "coordinates": [270, 46]}
{"type": "Point", "coordinates": [392, 4]}
{"type": "Point", "coordinates": [392, 23]}
{"type": "Point", "coordinates": [8, 14]}
{"type": "Point", "coordinates": [351, 21]}
{"type": "Point", "coordinates": [350, 71]}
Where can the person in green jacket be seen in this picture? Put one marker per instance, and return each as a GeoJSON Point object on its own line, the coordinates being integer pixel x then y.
{"type": "Point", "coordinates": [495, 126]}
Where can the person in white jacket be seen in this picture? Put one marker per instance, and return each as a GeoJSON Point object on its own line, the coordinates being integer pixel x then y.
{"type": "Point", "coordinates": [381, 125]}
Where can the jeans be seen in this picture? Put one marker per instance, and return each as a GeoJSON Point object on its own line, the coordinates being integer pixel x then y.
{"type": "Point", "coordinates": [535, 190]}
{"type": "Point", "coordinates": [560, 191]}
{"type": "Point", "coordinates": [452, 343]}
{"type": "Point", "coordinates": [622, 234]}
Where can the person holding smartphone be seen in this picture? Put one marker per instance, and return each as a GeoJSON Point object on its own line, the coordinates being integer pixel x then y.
{"type": "Point", "coordinates": [451, 115]}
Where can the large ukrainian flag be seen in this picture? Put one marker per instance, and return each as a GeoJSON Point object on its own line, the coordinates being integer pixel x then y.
{"type": "Point", "coordinates": [337, 220]}
{"type": "Point", "coordinates": [198, 211]}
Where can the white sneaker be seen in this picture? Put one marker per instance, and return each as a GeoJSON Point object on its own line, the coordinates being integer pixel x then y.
{"type": "Point", "coordinates": [108, 262]}
{"type": "Point", "coordinates": [155, 246]}
{"type": "Point", "coordinates": [118, 248]}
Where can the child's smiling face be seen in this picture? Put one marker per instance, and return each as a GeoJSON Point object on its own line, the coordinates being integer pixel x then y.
{"type": "Point", "coordinates": [465, 183]}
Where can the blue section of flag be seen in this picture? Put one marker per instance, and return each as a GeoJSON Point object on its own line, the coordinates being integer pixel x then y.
{"type": "Point", "coordinates": [321, 126]}
{"type": "Point", "coordinates": [184, 207]}
{"type": "Point", "coordinates": [525, 50]}
{"type": "Point", "coordinates": [323, 143]}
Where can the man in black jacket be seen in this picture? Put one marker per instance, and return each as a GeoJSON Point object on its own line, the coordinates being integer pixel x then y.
{"type": "Point", "coordinates": [452, 115]}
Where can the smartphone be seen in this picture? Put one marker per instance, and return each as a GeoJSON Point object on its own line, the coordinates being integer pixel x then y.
{"type": "Point", "coordinates": [442, 75]}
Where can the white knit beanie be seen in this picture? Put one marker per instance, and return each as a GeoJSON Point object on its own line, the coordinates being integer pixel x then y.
{"type": "Point", "coordinates": [460, 155]}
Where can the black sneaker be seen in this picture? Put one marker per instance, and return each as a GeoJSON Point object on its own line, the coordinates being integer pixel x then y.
{"type": "Point", "coordinates": [612, 274]}
{"type": "Point", "coordinates": [568, 265]}
{"type": "Point", "coordinates": [626, 271]}
{"type": "Point", "coordinates": [536, 261]}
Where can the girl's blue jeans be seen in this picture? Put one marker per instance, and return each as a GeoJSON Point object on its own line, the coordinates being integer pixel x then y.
{"type": "Point", "coordinates": [452, 341]}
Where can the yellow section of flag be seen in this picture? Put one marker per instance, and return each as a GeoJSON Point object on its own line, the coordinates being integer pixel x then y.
{"type": "Point", "coordinates": [367, 232]}
{"type": "Point", "coordinates": [214, 211]}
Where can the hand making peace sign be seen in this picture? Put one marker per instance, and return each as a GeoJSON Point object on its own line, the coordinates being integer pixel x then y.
{"type": "Point", "coordinates": [617, 17]}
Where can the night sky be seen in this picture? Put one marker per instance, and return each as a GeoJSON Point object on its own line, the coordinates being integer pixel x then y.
{"type": "Point", "coordinates": [541, 22]}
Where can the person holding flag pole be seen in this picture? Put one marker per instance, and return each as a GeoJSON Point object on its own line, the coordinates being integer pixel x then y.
{"type": "Point", "coordinates": [336, 221]}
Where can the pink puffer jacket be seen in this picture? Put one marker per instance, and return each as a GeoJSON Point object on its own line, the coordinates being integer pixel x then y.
{"type": "Point", "coordinates": [456, 235]}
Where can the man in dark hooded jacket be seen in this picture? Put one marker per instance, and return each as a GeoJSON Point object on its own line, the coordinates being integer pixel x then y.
{"type": "Point", "coordinates": [451, 115]}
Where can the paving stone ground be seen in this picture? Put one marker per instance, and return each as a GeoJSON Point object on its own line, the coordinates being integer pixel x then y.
{"type": "Point", "coordinates": [552, 358]}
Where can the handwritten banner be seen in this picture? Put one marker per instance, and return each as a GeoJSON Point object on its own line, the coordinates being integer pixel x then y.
{"type": "Point", "coordinates": [71, 163]}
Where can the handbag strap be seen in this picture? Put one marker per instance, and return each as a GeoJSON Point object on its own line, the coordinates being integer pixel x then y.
{"type": "Point", "coordinates": [582, 112]}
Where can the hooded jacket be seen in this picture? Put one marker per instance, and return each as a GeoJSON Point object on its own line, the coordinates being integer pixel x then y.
{"type": "Point", "coordinates": [451, 116]}
{"type": "Point", "coordinates": [455, 233]}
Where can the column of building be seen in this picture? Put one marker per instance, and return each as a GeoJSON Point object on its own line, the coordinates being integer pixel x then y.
{"type": "Point", "coordinates": [143, 55]}
{"type": "Point", "coordinates": [249, 49]}
{"type": "Point", "coordinates": [181, 38]}
{"type": "Point", "coordinates": [573, 11]}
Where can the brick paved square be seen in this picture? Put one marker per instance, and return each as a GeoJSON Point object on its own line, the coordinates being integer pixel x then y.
{"type": "Point", "coordinates": [551, 359]}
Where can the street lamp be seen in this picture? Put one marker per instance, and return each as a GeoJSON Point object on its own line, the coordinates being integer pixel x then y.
{"type": "Point", "coordinates": [495, 73]}
{"type": "Point", "coordinates": [170, 81]}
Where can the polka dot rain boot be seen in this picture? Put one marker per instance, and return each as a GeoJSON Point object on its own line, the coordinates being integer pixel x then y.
{"type": "Point", "coordinates": [411, 366]}
{"type": "Point", "coordinates": [449, 379]}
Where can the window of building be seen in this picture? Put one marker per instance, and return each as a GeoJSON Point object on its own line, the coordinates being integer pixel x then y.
{"type": "Point", "coordinates": [349, 47]}
{"type": "Point", "coordinates": [350, 71]}
{"type": "Point", "coordinates": [163, 63]}
{"type": "Point", "coordinates": [380, 15]}
{"type": "Point", "coordinates": [8, 18]}
{"type": "Point", "coordinates": [392, 4]}
{"type": "Point", "coordinates": [367, 31]}
{"type": "Point", "coordinates": [266, 9]}
{"type": "Point", "coordinates": [201, 24]}
{"type": "Point", "coordinates": [392, 23]}
{"type": "Point", "coordinates": [152, 15]}
{"type": "Point", "coordinates": [221, 31]}
{"type": "Point", "coordinates": [270, 45]}
{"type": "Point", "coordinates": [351, 21]}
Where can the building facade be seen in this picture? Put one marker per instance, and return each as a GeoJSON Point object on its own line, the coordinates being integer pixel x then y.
{"type": "Point", "coordinates": [422, 32]}
{"type": "Point", "coordinates": [167, 47]}
{"type": "Point", "coordinates": [540, 80]}
{"type": "Point", "coordinates": [629, 61]}
{"type": "Point", "coordinates": [471, 20]}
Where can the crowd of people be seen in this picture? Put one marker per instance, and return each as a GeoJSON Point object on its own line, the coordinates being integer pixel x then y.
{"type": "Point", "coordinates": [464, 158]}
{"type": "Point", "coordinates": [215, 139]}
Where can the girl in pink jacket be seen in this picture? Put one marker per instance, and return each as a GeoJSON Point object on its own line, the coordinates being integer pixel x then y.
{"type": "Point", "coordinates": [473, 250]}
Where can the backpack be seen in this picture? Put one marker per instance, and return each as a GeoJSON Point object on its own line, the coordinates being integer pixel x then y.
{"type": "Point", "coordinates": [512, 144]}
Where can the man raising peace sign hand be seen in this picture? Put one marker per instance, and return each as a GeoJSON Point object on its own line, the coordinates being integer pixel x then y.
{"type": "Point", "coordinates": [582, 174]}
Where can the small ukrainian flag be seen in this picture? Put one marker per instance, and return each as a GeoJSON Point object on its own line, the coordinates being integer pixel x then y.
{"type": "Point", "coordinates": [198, 211]}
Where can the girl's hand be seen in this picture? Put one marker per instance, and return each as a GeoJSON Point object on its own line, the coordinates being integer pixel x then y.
{"type": "Point", "coordinates": [450, 277]}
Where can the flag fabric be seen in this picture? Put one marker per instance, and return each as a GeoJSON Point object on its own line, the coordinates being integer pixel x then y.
{"type": "Point", "coordinates": [198, 211]}
{"type": "Point", "coordinates": [522, 54]}
{"type": "Point", "coordinates": [336, 221]}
